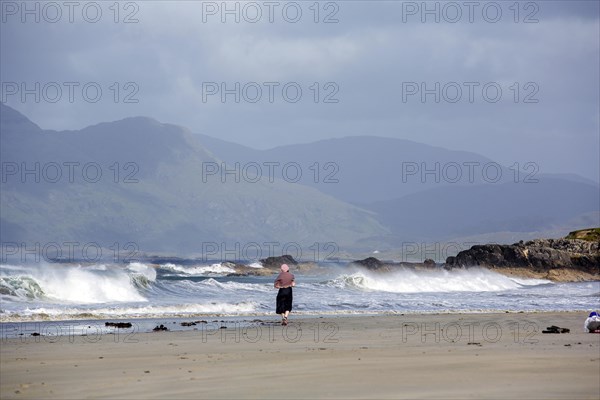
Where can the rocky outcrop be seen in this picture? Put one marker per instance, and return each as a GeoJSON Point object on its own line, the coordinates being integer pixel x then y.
{"type": "Point", "coordinates": [275, 262]}
{"type": "Point", "coordinates": [374, 264]}
{"type": "Point", "coordinates": [270, 265]}
{"type": "Point", "coordinates": [555, 259]}
{"type": "Point", "coordinates": [371, 263]}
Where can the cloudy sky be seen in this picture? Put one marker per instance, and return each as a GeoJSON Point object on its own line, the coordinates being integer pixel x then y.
{"type": "Point", "coordinates": [516, 82]}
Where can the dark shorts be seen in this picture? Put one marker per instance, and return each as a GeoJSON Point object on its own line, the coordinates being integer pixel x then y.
{"type": "Point", "coordinates": [284, 300]}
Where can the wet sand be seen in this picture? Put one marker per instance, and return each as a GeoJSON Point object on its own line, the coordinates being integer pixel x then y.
{"type": "Point", "coordinates": [447, 356]}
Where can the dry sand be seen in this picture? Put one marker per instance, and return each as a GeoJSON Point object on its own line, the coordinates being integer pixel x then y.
{"type": "Point", "coordinates": [449, 356]}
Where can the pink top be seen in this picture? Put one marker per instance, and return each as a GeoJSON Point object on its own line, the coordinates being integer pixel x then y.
{"type": "Point", "coordinates": [284, 279]}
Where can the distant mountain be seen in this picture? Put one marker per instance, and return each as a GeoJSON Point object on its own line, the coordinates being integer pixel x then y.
{"type": "Point", "coordinates": [369, 168]}
{"type": "Point", "coordinates": [426, 193]}
{"type": "Point", "coordinates": [172, 191]}
{"type": "Point", "coordinates": [138, 180]}
{"type": "Point", "coordinates": [364, 169]}
{"type": "Point", "coordinates": [445, 213]}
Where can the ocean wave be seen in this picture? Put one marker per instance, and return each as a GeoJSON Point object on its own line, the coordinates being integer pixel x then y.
{"type": "Point", "coordinates": [136, 290]}
{"type": "Point", "coordinates": [204, 270]}
{"type": "Point", "coordinates": [411, 281]}
{"type": "Point", "coordinates": [143, 269]}
{"type": "Point", "coordinates": [530, 281]}
{"type": "Point", "coordinates": [141, 275]}
{"type": "Point", "coordinates": [130, 311]}
{"type": "Point", "coordinates": [20, 287]}
{"type": "Point", "coordinates": [235, 286]}
{"type": "Point", "coordinates": [75, 284]}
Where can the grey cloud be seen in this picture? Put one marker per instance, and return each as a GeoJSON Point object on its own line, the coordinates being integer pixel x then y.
{"type": "Point", "coordinates": [368, 54]}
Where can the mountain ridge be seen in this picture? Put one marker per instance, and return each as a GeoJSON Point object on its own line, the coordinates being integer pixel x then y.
{"type": "Point", "coordinates": [155, 188]}
{"type": "Point", "coordinates": [152, 191]}
{"type": "Point", "coordinates": [425, 207]}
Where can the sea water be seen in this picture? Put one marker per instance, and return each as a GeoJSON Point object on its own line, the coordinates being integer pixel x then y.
{"type": "Point", "coordinates": [55, 292]}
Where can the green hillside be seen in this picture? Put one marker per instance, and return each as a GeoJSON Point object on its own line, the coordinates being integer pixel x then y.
{"type": "Point", "coordinates": [592, 234]}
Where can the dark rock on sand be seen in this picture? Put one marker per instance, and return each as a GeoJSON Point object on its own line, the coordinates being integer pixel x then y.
{"type": "Point", "coordinates": [160, 327]}
{"type": "Point", "coordinates": [556, 329]}
{"type": "Point", "coordinates": [118, 324]}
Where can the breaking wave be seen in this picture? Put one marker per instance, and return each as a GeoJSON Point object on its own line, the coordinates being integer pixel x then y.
{"type": "Point", "coordinates": [138, 290]}
{"type": "Point", "coordinates": [410, 281]}
{"type": "Point", "coordinates": [205, 270]}
{"type": "Point", "coordinates": [77, 284]}
{"type": "Point", "coordinates": [236, 286]}
{"type": "Point", "coordinates": [22, 287]}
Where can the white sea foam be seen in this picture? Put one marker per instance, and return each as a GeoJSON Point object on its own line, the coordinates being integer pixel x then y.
{"type": "Point", "coordinates": [411, 281]}
{"type": "Point", "coordinates": [234, 286]}
{"type": "Point", "coordinates": [530, 281]}
{"type": "Point", "coordinates": [75, 284]}
{"type": "Point", "coordinates": [10, 267]}
{"type": "Point", "coordinates": [143, 269]}
{"type": "Point", "coordinates": [57, 291]}
{"type": "Point", "coordinates": [138, 311]}
{"type": "Point", "coordinates": [213, 269]}
{"type": "Point", "coordinates": [20, 287]}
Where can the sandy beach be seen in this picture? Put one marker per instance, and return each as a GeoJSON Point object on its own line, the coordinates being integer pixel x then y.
{"type": "Point", "coordinates": [447, 356]}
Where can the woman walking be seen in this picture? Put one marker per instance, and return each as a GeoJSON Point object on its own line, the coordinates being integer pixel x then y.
{"type": "Point", "coordinates": [284, 282]}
